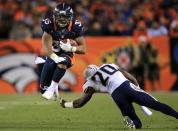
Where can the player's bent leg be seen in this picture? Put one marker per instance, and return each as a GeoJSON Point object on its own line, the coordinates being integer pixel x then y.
{"type": "Point", "coordinates": [61, 68]}
{"type": "Point", "coordinates": [49, 93]}
{"type": "Point", "coordinates": [131, 120]}
{"type": "Point", "coordinates": [52, 91]}
{"type": "Point", "coordinates": [131, 117]}
{"type": "Point", "coordinates": [58, 74]}
{"type": "Point", "coordinates": [145, 99]}
{"type": "Point", "coordinates": [46, 75]}
{"type": "Point", "coordinates": [46, 82]}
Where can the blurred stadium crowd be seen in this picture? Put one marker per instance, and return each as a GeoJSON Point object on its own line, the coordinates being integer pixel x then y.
{"type": "Point", "coordinates": [100, 17]}
{"type": "Point", "coordinates": [21, 19]}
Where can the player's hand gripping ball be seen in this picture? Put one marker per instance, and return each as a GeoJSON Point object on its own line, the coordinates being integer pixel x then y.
{"type": "Point", "coordinates": [71, 41]}
{"type": "Point", "coordinates": [68, 45]}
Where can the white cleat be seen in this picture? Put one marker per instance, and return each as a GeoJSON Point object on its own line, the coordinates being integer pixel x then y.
{"type": "Point", "coordinates": [51, 94]}
{"type": "Point", "coordinates": [55, 95]}
{"type": "Point", "coordinates": [48, 94]}
{"type": "Point", "coordinates": [128, 123]}
{"type": "Point", "coordinates": [56, 92]}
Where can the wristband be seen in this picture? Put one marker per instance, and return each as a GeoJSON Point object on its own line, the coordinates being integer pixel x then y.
{"type": "Point", "coordinates": [54, 57]}
{"type": "Point", "coordinates": [74, 49]}
{"type": "Point", "coordinates": [68, 104]}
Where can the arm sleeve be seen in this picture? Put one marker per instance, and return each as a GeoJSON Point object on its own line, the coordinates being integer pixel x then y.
{"type": "Point", "coordinates": [46, 25]}
{"type": "Point", "coordinates": [80, 32]}
{"type": "Point", "coordinates": [79, 29]}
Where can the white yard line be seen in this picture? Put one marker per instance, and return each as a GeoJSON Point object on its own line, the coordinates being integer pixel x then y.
{"type": "Point", "coordinates": [12, 103]}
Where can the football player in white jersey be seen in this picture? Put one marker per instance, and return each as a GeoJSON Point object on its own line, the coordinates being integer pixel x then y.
{"type": "Point", "coordinates": [124, 90]}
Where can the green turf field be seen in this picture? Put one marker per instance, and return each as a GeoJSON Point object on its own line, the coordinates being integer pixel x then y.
{"type": "Point", "coordinates": [32, 113]}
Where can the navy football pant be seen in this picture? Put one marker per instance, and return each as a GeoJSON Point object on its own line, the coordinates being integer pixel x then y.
{"type": "Point", "coordinates": [125, 95]}
{"type": "Point", "coordinates": [51, 72]}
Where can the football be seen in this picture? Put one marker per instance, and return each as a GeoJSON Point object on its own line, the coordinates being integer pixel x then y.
{"type": "Point", "coordinates": [72, 42]}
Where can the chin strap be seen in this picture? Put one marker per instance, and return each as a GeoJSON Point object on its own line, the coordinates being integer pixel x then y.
{"type": "Point", "coordinates": [54, 24]}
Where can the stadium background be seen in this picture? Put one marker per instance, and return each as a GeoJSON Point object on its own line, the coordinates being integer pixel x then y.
{"type": "Point", "coordinates": [139, 35]}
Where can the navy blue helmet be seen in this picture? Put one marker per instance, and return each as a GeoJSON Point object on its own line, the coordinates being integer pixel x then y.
{"type": "Point", "coordinates": [63, 14]}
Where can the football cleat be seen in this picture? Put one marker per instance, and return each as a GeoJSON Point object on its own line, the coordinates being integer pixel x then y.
{"type": "Point", "coordinates": [48, 94]}
{"type": "Point", "coordinates": [128, 123]}
{"type": "Point", "coordinates": [51, 94]}
{"type": "Point", "coordinates": [55, 95]}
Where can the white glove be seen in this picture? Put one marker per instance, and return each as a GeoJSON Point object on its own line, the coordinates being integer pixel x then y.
{"type": "Point", "coordinates": [67, 46]}
{"type": "Point", "coordinates": [65, 104]}
{"type": "Point", "coordinates": [60, 59]}
{"type": "Point", "coordinates": [56, 58]}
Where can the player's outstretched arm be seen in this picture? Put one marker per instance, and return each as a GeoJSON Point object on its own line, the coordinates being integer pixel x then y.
{"type": "Point", "coordinates": [78, 102]}
{"type": "Point", "coordinates": [129, 77]}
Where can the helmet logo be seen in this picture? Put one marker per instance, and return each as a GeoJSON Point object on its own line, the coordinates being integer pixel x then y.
{"type": "Point", "coordinates": [62, 12]}
{"type": "Point", "coordinates": [56, 9]}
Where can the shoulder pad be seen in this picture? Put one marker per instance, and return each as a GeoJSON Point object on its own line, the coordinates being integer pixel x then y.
{"type": "Point", "coordinates": [78, 28]}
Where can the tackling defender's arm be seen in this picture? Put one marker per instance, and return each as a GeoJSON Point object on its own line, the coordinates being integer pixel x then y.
{"type": "Point", "coordinates": [78, 102]}
{"type": "Point", "coordinates": [129, 76]}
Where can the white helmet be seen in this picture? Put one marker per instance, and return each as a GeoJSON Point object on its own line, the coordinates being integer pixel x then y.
{"type": "Point", "coordinates": [90, 70]}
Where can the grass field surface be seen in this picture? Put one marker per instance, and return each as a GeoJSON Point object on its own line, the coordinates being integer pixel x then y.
{"type": "Point", "coordinates": [32, 113]}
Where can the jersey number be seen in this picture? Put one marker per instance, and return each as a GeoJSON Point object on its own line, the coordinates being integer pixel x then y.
{"type": "Point", "coordinates": [46, 21]}
{"type": "Point", "coordinates": [108, 69]}
{"type": "Point", "coordinates": [78, 23]}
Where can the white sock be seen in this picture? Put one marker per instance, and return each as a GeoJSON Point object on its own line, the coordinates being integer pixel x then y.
{"type": "Point", "coordinates": [53, 86]}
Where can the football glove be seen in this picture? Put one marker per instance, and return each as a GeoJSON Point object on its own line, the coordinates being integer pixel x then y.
{"type": "Point", "coordinates": [56, 58]}
{"type": "Point", "coordinates": [66, 104]}
{"type": "Point", "coordinates": [67, 46]}
{"type": "Point", "coordinates": [62, 102]}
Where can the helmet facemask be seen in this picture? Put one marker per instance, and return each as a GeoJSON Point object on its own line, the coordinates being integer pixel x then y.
{"type": "Point", "coordinates": [62, 18]}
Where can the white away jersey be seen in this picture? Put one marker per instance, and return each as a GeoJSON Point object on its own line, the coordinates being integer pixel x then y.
{"type": "Point", "coordinates": [106, 79]}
